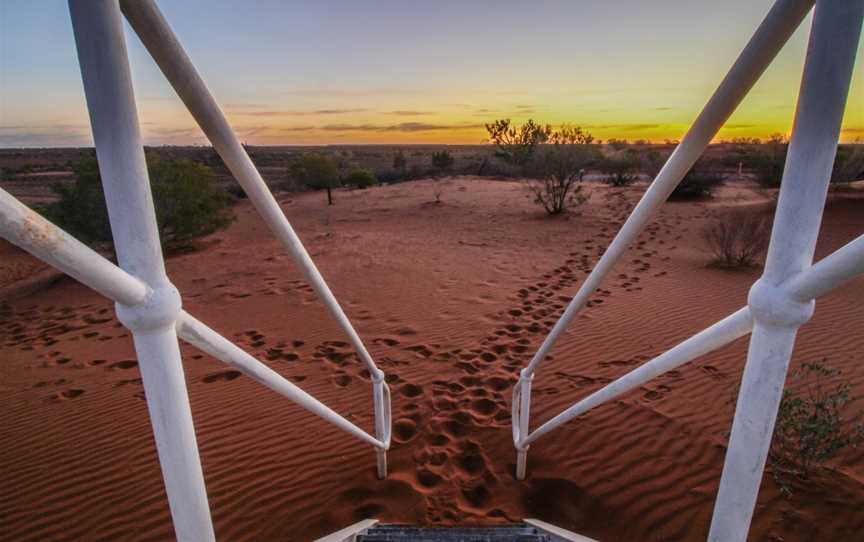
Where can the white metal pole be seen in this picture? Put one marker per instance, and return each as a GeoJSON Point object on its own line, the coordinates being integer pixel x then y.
{"type": "Point", "coordinates": [156, 35]}
{"type": "Point", "coordinates": [777, 315]}
{"type": "Point", "coordinates": [27, 229]}
{"type": "Point", "coordinates": [829, 273]}
{"type": "Point", "coordinates": [774, 31]}
{"type": "Point", "coordinates": [779, 24]}
{"type": "Point", "coordinates": [521, 422]}
{"type": "Point", "coordinates": [98, 28]}
{"type": "Point", "coordinates": [721, 333]}
{"type": "Point", "coordinates": [198, 334]}
{"type": "Point", "coordinates": [151, 26]}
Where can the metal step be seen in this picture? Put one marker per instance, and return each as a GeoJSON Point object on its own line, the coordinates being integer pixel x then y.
{"type": "Point", "coordinates": [402, 533]}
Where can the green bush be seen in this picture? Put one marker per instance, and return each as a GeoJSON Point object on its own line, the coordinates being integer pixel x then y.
{"type": "Point", "coordinates": [361, 178]}
{"type": "Point", "coordinates": [187, 199]}
{"type": "Point", "coordinates": [558, 167]}
{"type": "Point", "coordinates": [810, 427]}
{"type": "Point", "coordinates": [620, 171]}
{"type": "Point", "coordinates": [698, 183]}
{"type": "Point", "coordinates": [316, 172]}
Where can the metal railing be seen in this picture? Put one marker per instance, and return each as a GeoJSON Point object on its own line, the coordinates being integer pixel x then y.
{"type": "Point", "coordinates": [783, 298]}
{"type": "Point", "coordinates": [146, 301]}
{"type": "Point", "coordinates": [149, 305]}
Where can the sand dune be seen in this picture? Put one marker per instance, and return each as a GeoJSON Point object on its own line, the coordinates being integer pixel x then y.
{"type": "Point", "coordinates": [452, 300]}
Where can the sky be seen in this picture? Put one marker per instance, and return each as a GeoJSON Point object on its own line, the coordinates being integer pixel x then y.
{"type": "Point", "coordinates": [349, 72]}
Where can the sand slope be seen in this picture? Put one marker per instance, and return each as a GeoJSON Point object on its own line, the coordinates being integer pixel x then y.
{"type": "Point", "coordinates": [451, 299]}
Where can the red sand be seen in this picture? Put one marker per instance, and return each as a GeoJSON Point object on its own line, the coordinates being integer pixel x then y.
{"type": "Point", "coordinates": [452, 299]}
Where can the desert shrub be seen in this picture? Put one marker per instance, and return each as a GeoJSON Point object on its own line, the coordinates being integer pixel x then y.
{"type": "Point", "coordinates": [517, 145]}
{"type": "Point", "coordinates": [556, 170]}
{"type": "Point", "coordinates": [650, 163]}
{"type": "Point", "coordinates": [698, 183]}
{"type": "Point", "coordinates": [617, 144]}
{"type": "Point", "coordinates": [769, 160]}
{"type": "Point", "coordinates": [317, 172]}
{"type": "Point", "coordinates": [810, 426]}
{"type": "Point", "coordinates": [187, 200]}
{"type": "Point", "coordinates": [738, 238]}
{"type": "Point", "coordinates": [442, 164]}
{"type": "Point", "coordinates": [848, 164]}
{"type": "Point", "coordinates": [361, 178]}
{"type": "Point", "coordinates": [553, 161]}
{"type": "Point", "coordinates": [621, 171]}
{"type": "Point", "coordinates": [236, 191]}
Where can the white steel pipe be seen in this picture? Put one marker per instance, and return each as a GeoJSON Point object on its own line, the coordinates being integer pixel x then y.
{"type": "Point", "coordinates": [98, 29]}
{"type": "Point", "coordinates": [27, 229]}
{"type": "Point", "coordinates": [828, 273]}
{"type": "Point", "coordinates": [521, 418]}
{"type": "Point", "coordinates": [779, 24]}
{"type": "Point", "coordinates": [383, 423]}
{"type": "Point", "coordinates": [817, 280]}
{"type": "Point", "coordinates": [719, 334]}
{"type": "Point", "coordinates": [825, 84]}
{"type": "Point", "coordinates": [201, 336]}
{"type": "Point", "coordinates": [156, 35]}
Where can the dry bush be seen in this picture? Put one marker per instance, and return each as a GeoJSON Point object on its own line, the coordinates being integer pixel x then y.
{"type": "Point", "coordinates": [738, 238]}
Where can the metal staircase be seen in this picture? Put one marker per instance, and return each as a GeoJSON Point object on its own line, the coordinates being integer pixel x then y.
{"type": "Point", "coordinates": [530, 530]}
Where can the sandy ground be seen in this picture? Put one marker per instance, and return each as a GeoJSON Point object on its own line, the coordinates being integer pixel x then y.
{"type": "Point", "coordinates": [451, 299]}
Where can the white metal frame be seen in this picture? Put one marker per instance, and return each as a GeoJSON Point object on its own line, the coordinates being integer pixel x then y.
{"type": "Point", "coordinates": [150, 306]}
{"type": "Point", "coordinates": [783, 298]}
{"type": "Point", "coordinates": [146, 301]}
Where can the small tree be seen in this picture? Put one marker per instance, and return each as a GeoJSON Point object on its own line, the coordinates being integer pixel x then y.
{"type": "Point", "coordinates": [738, 238]}
{"type": "Point", "coordinates": [560, 164]}
{"type": "Point", "coordinates": [517, 145]}
{"type": "Point", "coordinates": [361, 178]}
{"type": "Point", "coordinates": [809, 429]}
{"type": "Point", "coordinates": [187, 200]}
{"type": "Point", "coordinates": [317, 172]}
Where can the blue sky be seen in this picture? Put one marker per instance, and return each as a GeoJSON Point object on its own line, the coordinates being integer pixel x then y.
{"type": "Point", "coordinates": [413, 72]}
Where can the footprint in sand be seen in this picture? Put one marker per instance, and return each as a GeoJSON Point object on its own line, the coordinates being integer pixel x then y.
{"type": "Point", "coordinates": [342, 380]}
{"type": "Point", "coordinates": [404, 430]}
{"type": "Point", "coordinates": [125, 364]}
{"type": "Point", "coordinates": [411, 390]}
{"type": "Point", "coordinates": [224, 376]}
{"type": "Point", "coordinates": [72, 393]}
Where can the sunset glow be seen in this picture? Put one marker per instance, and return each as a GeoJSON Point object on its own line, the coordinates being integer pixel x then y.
{"type": "Point", "coordinates": [354, 73]}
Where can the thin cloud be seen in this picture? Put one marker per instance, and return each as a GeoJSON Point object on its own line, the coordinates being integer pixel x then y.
{"type": "Point", "coordinates": [632, 127]}
{"type": "Point", "coordinates": [410, 113]}
{"type": "Point", "coordinates": [318, 112]}
{"type": "Point", "coordinates": [401, 127]}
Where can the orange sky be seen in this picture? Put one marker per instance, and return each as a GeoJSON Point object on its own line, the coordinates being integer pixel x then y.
{"type": "Point", "coordinates": [343, 72]}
